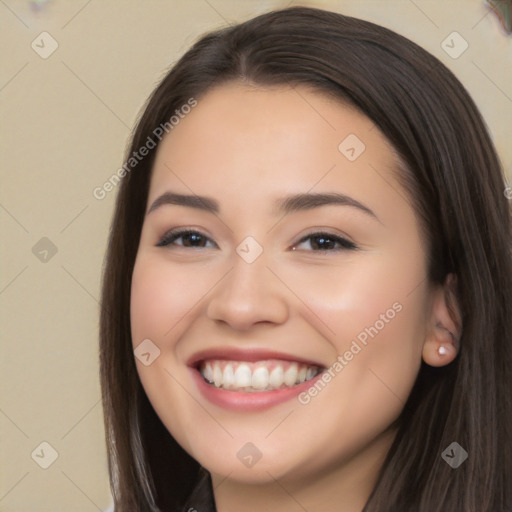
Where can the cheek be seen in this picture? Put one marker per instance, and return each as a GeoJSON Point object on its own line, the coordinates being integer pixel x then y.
{"type": "Point", "coordinates": [162, 295]}
{"type": "Point", "coordinates": [362, 293]}
{"type": "Point", "coordinates": [150, 305]}
{"type": "Point", "coordinates": [373, 312]}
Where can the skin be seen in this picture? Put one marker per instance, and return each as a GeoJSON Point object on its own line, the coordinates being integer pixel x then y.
{"type": "Point", "coordinates": [246, 146]}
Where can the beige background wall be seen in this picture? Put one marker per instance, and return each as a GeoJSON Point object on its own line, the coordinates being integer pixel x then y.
{"type": "Point", "coordinates": [65, 120]}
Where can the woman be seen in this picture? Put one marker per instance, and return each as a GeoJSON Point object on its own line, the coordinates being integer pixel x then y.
{"type": "Point", "coordinates": [307, 292]}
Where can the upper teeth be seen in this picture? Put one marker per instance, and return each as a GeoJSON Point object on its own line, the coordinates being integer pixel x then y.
{"type": "Point", "coordinates": [259, 376]}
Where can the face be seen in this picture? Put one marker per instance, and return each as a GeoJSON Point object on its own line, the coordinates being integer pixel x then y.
{"type": "Point", "coordinates": [281, 275]}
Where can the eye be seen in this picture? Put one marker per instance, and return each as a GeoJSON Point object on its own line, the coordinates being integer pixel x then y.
{"type": "Point", "coordinates": [188, 237]}
{"type": "Point", "coordinates": [325, 242]}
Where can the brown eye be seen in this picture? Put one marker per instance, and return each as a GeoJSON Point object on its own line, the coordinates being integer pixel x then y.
{"type": "Point", "coordinates": [326, 242]}
{"type": "Point", "coordinates": [185, 238]}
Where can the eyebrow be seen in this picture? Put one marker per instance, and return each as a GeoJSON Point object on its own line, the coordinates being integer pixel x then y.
{"type": "Point", "coordinates": [288, 204]}
{"type": "Point", "coordinates": [309, 201]}
{"type": "Point", "coordinates": [192, 201]}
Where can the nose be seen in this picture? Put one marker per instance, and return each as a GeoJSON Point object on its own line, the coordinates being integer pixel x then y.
{"type": "Point", "coordinates": [248, 295]}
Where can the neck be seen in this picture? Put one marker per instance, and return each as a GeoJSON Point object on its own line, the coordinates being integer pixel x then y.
{"type": "Point", "coordinates": [344, 487]}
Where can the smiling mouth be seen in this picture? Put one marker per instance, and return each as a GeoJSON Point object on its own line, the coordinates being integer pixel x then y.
{"type": "Point", "coordinates": [258, 376]}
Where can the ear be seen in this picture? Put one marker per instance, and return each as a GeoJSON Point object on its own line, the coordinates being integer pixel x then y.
{"type": "Point", "coordinates": [442, 341]}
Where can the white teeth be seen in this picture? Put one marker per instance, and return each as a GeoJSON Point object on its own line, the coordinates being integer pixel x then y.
{"type": "Point", "coordinates": [217, 375]}
{"type": "Point", "coordinates": [243, 376]}
{"type": "Point", "coordinates": [290, 375]}
{"type": "Point", "coordinates": [258, 376]}
{"type": "Point", "coordinates": [208, 372]}
{"type": "Point", "coordinates": [276, 377]}
{"type": "Point", "coordinates": [228, 377]}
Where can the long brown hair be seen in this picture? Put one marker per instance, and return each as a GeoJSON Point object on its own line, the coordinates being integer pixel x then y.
{"type": "Point", "coordinates": [455, 182]}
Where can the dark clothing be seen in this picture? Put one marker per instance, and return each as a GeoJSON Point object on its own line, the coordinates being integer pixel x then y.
{"type": "Point", "coordinates": [201, 498]}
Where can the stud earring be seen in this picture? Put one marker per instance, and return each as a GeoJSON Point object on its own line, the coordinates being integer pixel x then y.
{"type": "Point", "coordinates": [442, 350]}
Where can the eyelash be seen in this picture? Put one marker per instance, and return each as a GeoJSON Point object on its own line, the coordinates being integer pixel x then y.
{"type": "Point", "coordinates": [171, 236]}
{"type": "Point", "coordinates": [346, 245]}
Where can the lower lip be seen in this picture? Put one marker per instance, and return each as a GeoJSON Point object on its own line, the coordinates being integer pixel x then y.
{"type": "Point", "coordinates": [248, 402]}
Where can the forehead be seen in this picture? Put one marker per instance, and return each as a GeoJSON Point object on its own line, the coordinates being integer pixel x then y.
{"type": "Point", "coordinates": [249, 144]}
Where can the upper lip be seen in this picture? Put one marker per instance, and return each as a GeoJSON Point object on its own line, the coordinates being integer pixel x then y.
{"type": "Point", "coordinates": [249, 355]}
